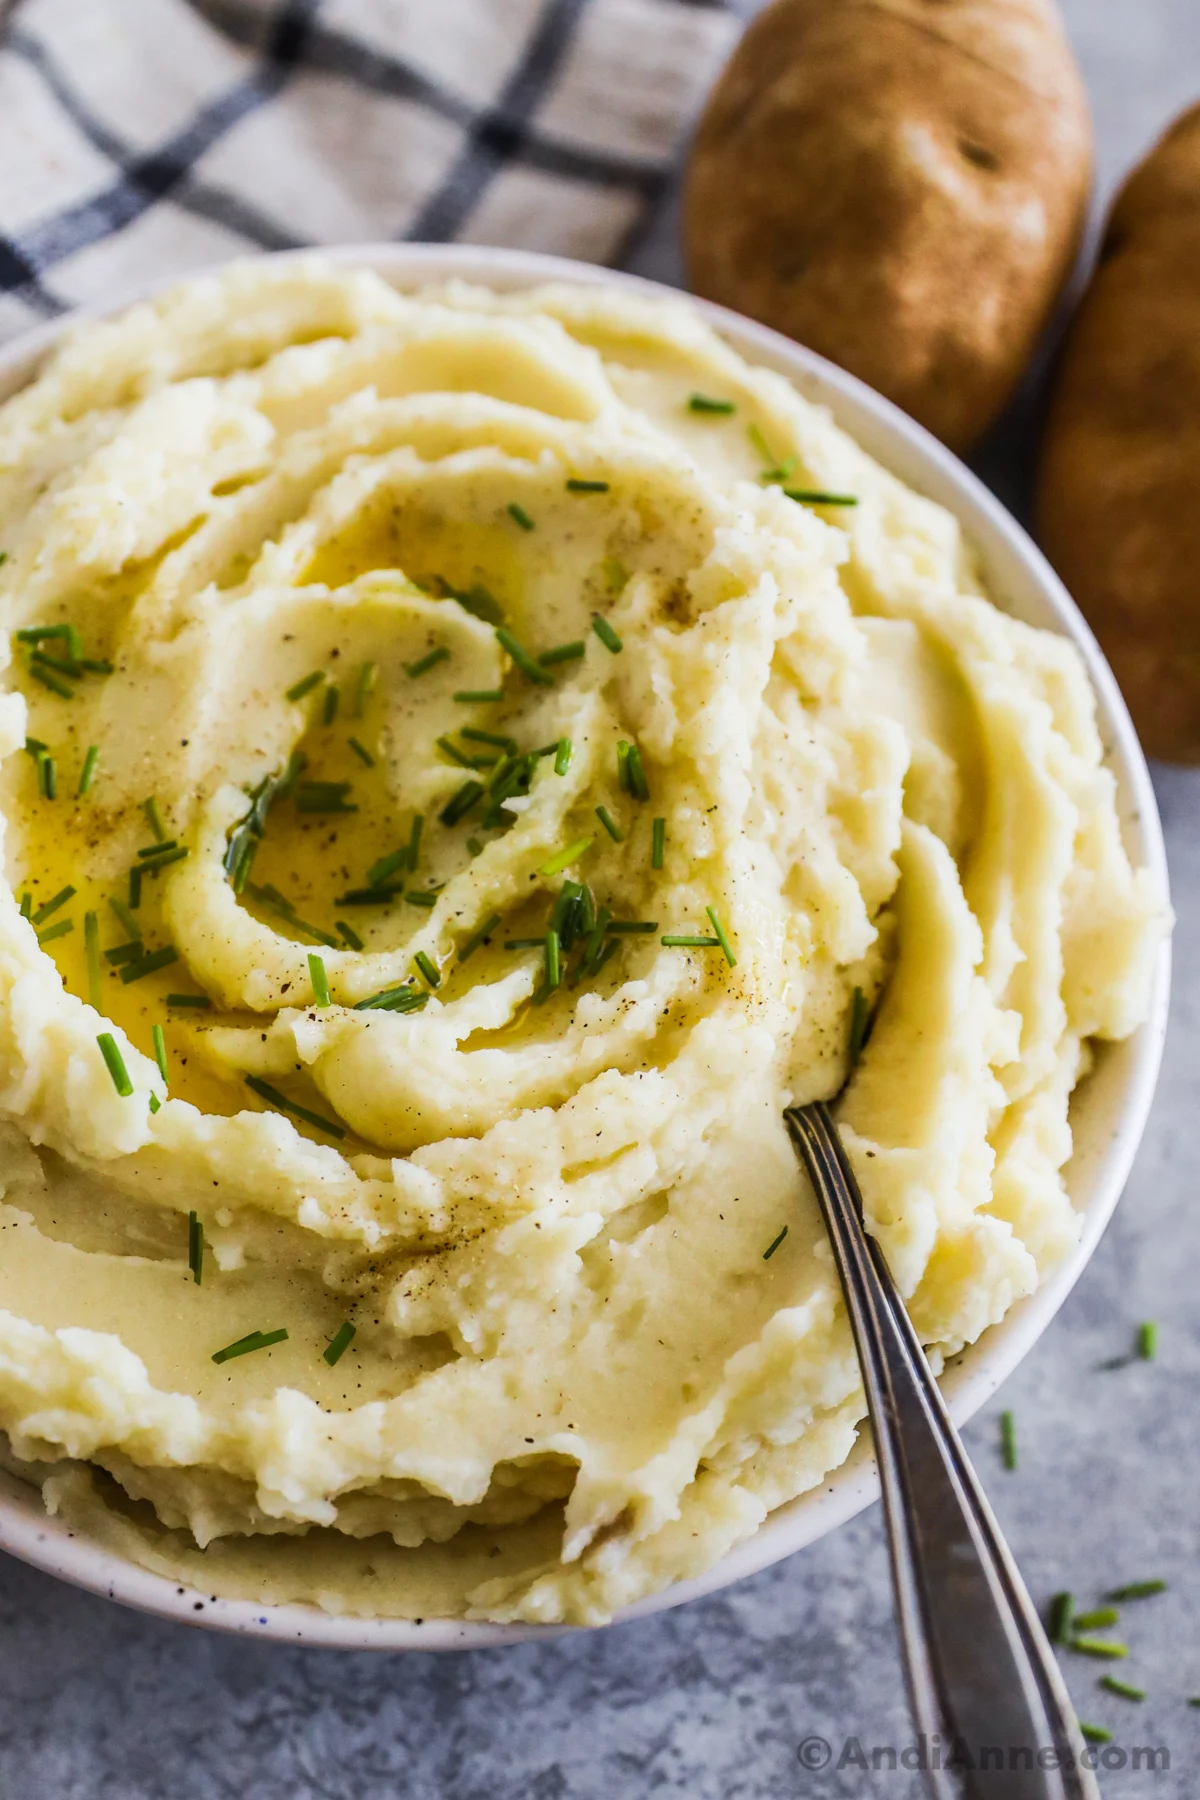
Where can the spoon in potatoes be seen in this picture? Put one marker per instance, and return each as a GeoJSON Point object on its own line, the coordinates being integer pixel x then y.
{"type": "Point", "coordinates": [986, 1692]}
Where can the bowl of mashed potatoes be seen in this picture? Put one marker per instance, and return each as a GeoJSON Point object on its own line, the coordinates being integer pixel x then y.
{"type": "Point", "coordinates": [478, 737]}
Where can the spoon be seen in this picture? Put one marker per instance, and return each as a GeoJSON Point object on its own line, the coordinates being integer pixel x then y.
{"type": "Point", "coordinates": [981, 1675]}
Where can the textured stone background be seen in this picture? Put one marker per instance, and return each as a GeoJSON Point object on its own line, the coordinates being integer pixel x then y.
{"type": "Point", "coordinates": [711, 1701]}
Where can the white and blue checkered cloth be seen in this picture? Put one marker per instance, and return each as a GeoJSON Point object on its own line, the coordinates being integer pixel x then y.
{"type": "Point", "coordinates": [146, 138]}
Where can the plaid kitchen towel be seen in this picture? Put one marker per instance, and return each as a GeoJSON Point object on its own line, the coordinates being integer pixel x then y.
{"type": "Point", "coordinates": [141, 138]}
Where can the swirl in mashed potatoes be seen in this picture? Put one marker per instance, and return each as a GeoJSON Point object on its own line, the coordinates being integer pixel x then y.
{"type": "Point", "coordinates": [393, 679]}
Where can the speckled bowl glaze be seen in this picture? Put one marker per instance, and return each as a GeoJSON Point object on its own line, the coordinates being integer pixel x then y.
{"type": "Point", "coordinates": [1108, 1112]}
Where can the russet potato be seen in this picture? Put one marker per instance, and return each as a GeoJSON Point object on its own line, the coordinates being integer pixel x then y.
{"type": "Point", "coordinates": [1117, 494]}
{"type": "Point", "coordinates": [901, 186]}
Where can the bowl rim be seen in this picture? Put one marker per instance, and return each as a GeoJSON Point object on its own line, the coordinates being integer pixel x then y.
{"type": "Point", "coordinates": [1013, 565]}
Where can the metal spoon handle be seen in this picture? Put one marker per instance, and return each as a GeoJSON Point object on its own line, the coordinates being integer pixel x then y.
{"type": "Point", "coordinates": [986, 1692]}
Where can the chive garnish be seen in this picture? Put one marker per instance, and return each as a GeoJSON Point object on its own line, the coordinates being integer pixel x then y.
{"type": "Point", "coordinates": [430, 661]}
{"type": "Point", "coordinates": [88, 771]}
{"type": "Point", "coordinates": [115, 1063]}
{"type": "Point", "coordinates": [562, 756]}
{"type": "Point", "coordinates": [774, 470]}
{"type": "Point", "coordinates": [329, 707]}
{"type": "Point", "coordinates": [606, 634]}
{"type": "Point", "coordinates": [1147, 1340]}
{"type": "Point", "coordinates": [48, 777]}
{"type": "Point", "coordinates": [124, 953]}
{"type": "Point", "coordinates": [154, 1103]}
{"type": "Point", "coordinates": [454, 753]}
{"type": "Point", "coordinates": [531, 669]}
{"type": "Point", "coordinates": [553, 947]}
{"type": "Point", "coordinates": [606, 819]}
{"type": "Point", "coordinates": [362, 753]}
{"type": "Point", "coordinates": [320, 980]}
{"type": "Point", "coordinates": [615, 573]}
{"type": "Point", "coordinates": [279, 903]}
{"type": "Point", "coordinates": [125, 917]}
{"type": "Point", "coordinates": [363, 686]}
{"type": "Point", "coordinates": [55, 931]}
{"type": "Point", "coordinates": [1099, 1619]}
{"type": "Point", "coordinates": [478, 696]}
{"type": "Point", "coordinates": [149, 965]}
{"type": "Point", "coordinates": [773, 1246]}
{"type": "Point", "coordinates": [562, 653]}
{"type": "Point", "coordinates": [722, 937]}
{"type": "Point", "coordinates": [339, 1344]}
{"type": "Point", "coordinates": [350, 936]}
{"type": "Point", "coordinates": [658, 843]}
{"type": "Point", "coordinates": [632, 927]}
{"type": "Point", "coordinates": [704, 403]}
{"type": "Point", "coordinates": [1062, 1609]}
{"type": "Point", "coordinates": [367, 896]}
{"type": "Point", "coordinates": [37, 634]}
{"type": "Point", "coordinates": [199, 1002]}
{"type": "Point", "coordinates": [475, 736]}
{"type": "Point", "coordinates": [474, 846]}
{"type": "Point", "coordinates": [195, 1247]}
{"type": "Point", "coordinates": [689, 941]}
{"type": "Point", "coordinates": [1008, 1440]}
{"type": "Point", "coordinates": [163, 859]}
{"type": "Point", "coordinates": [1102, 1647]}
{"type": "Point", "coordinates": [819, 497]}
{"type": "Point", "coordinates": [273, 1097]}
{"type": "Point", "coordinates": [418, 897]}
{"type": "Point", "coordinates": [91, 952]}
{"type": "Point", "coordinates": [305, 685]}
{"type": "Point", "coordinates": [387, 866]}
{"type": "Point", "coordinates": [479, 936]}
{"type": "Point", "coordinates": [1125, 1689]}
{"type": "Point", "coordinates": [402, 999]}
{"type": "Point", "coordinates": [60, 666]}
{"type": "Point", "coordinates": [475, 600]}
{"type": "Point", "coordinates": [1138, 1590]}
{"type": "Point", "coordinates": [428, 969]}
{"type": "Point", "coordinates": [575, 485]}
{"type": "Point", "coordinates": [1096, 1734]}
{"type": "Point", "coordinates": [51, 681]}
{"type": "Point", "coordinates": [158, 849]}
{"type": "Point", "coordinates": [324, 797]}
{"type": "Point", "coordinates": [860, 1014]}
{"type": "Point", "coordinates": [255, 1340]}
{"type": "Point", "coordinates": [52, 905]}
{"type": "Point", "coordinates": [160, 1050]}
{"type": "Point", "coordinates": [414, 840]}
{"type": "Point", "coordinates": [150, 808]}
{"type": "Point", "coordinates": [461, 802]}
{"type": "Point", "coordinates": [26, 904]}
{"type": "Point", "coordinates": [562, 859]}
{"type": "Point", "coordinates": [534, 943]}
{"type": "Point", "coordinates": [520, 515]}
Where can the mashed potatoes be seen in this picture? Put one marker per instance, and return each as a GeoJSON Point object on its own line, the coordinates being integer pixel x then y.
{"type": "Point", "coordinates": [466, 767]}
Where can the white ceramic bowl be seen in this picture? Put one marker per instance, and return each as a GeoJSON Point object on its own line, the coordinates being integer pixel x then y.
{"type": "Point", "coordinates": [1108, 1111]}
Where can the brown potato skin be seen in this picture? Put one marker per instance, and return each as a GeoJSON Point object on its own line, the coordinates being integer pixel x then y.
{"type": "Point", "coordinates": [901, 185]}
{"type": "Point", "coordinates": [1118, 496]}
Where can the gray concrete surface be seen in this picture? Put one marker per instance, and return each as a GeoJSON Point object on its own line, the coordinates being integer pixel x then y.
{"type": "Point", "coordinates": [713, 1701]}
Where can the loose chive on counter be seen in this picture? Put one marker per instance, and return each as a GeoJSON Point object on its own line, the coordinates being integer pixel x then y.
{"type": "Point", "coordinates": [1008, 1440]}
{"type": "Point", "coordinates": [1098, 1619]}
{"type": "Point", "coordinates": [87, 773]}
{"type": "Point", "coordinates": [521, 517]}
{"type": "Point", "coordinates": [773, 1246]}
{"type": "Point", "coordinates": [1102, 1647]}
{"type": "Point", "coordinates": [195, 1247]}
{"type": "Point", "coordinates": [1138, 1590]}
{"type": "Point", "coordinates": [1147, 1340]}
{"type": "Point", "coordinates": [320, 980]}
{"type": "Point", "coordinates": [115, 1064]}
{"type": "Point", "coordinates": [1096, 1734]}
{"type": "Point", "coordinates": [339, 1343]}
{"type": "Point", "coordinates": [1062, 1611]}
{"type": "Point", "coordinates": [431, 660]}
{"type": "Point", "coordinates": [1125, 1689]}
{"type": "Point", "coordinates": [606, 634]}
{"type": "Point", "coordinates": [705, 403]}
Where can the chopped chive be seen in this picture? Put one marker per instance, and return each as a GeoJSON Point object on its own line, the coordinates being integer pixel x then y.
{"type": "Point", "coordinates": [3, 557]}
{"type": "Point", "coordinates": [51, 681]}
{"type": "Point", "coordinates": [273, 1097]}
{"type": "Point", "coordinates": [860, 1014]}
{"type": "Point", "coordinates": [154, 1103]}
{"type": "Point", "coordinates": [329, 706]}
{"type": "Point", "coordinates": [305, 685]}
{"type": "Point", "coordinates": [1096, 1620]}
{"type": "Point", "coordinates": [1096, 1734]}
{"type": "Point", "coordinates": [562, 756]}
{"type": "Point", "coordinates": [562, 653]}
{"type": "Point", "coordinates": [1062, 1610]}
{"type": "Point", "coordinates": [553, 947]}
{"type": "Point", "coordinates": [255, 1340]}
{"type": "Point", "coordinates": [615, 573]}
{"type": "Point", "coordinates": [704, 403]}
{"type": "Point", "coordinates": [195, 1246]}
{"type": "Point", "coordinates": [428, 969]}
{"type": "Point", "coordinates": [49, 906]}
{"type": "Point", "coordinates": [430, 661]}
{"type": "Point", "coordinates": [362, 753]}
{"type": "Point", "coordinates": [1137, 1590]}
{"type": "Point", "coordinates": [475, 736]}
{"type": "Point", "coordinates": [562, 859]}
{"type": "Point", "coordinates": [91, 951]}
{"type": "Point", "coordinates": [474, 846]}
{"type": "Point", "coordinates": [416, 897]}
{"type": "Point", "coordinates": [1103, 1647]}
{"type": "Point", "coordinates": [96, 665]}
{"type": "Point", "coordinates": [773, 1246]}
{"type": "Point", "coordinates": [1147, 1340]}
{"type": "Point", "coordinates": [537, 943]}
{"type": "Point", "coordinates": [47, 777]}
{"type": "Point", "coordinates": [387, 866]}
{"type": "Point", "coordinates": [454, 753]}
{"type": "Point", "coordinates": [531, 669]}
{"type": "Point", "coordinates": [658, 843]}
{"type": "Point", "coordinates": [722, 938]}
{"type": "Point", "coordinates": [478, 696]}
{"type": "Point", "coordinates": [149, 965]}
{"type": "Point", "coordinates": [124, 953]}
{"type": "Point", "coordinates": [689, 941]}
{"type": "Point", "coordinates": [520, 515]}
{"type": "Point", "coordinates": [1008, 1440]}
{"type": "Point", "coordinates": [635, 774]}
{"type": "Point", "coordinates": [339, 1343]}
{"type": "Point", "coordinates": [819, 497]}
{"type": "Point", "coordinates": [613, 830]}
{"type": "Point", "coordinates": [479, 936]}
{"type": "Point", "coordinates": [349, 934]}
{"type": "Point", "coordinates": [414, 840]}
{"type": "Point", "coordinates": [199, 1002]}
{"type": "Point", "coordinates": [632, 927]}
{"type": "Point", "coordinates": [363, 686]}
{"type": "Point", "coordinates": [87, 773]}
{"type": "Point", "coordinates": [461, 802]}
{"type": "Point", "coordinates": [323, 806]}
{"type": "Point", "coordinates": [577, 486]}
{"type": "Point", "coordinates": [158, 849]}
{"type": "Point", "coordinates": [1125, 1689]}
{"type": "Point", "coordinates": [606, 634]}
{"type": "Point", "coordinates": [160, 1050]}
{"type": "Point", "coordinates": [125, 917]}
{"type": "Point", "coordinates": [26, 904]}
{"type": "Point", "coordinates": [367, 896]}
{"type": "Point", "coordinates": [37, 634]}
{"type": "Point", "coordinates": [402, 999]}
{"type": "Point", "coordinates": [55, 931]}
{"type": "Point", "coordinates": [281, 789]}
{"type": "Point", "coordinates": [167, 857]}
{"type": "Point", "coordinates": [115, 1063]}
{"type": "Point", "coordinates": [319, 978]}
{"type": "Point", "coordinates": [774, 470]}
{"type": "Point", "coordinates": [150, 808]}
